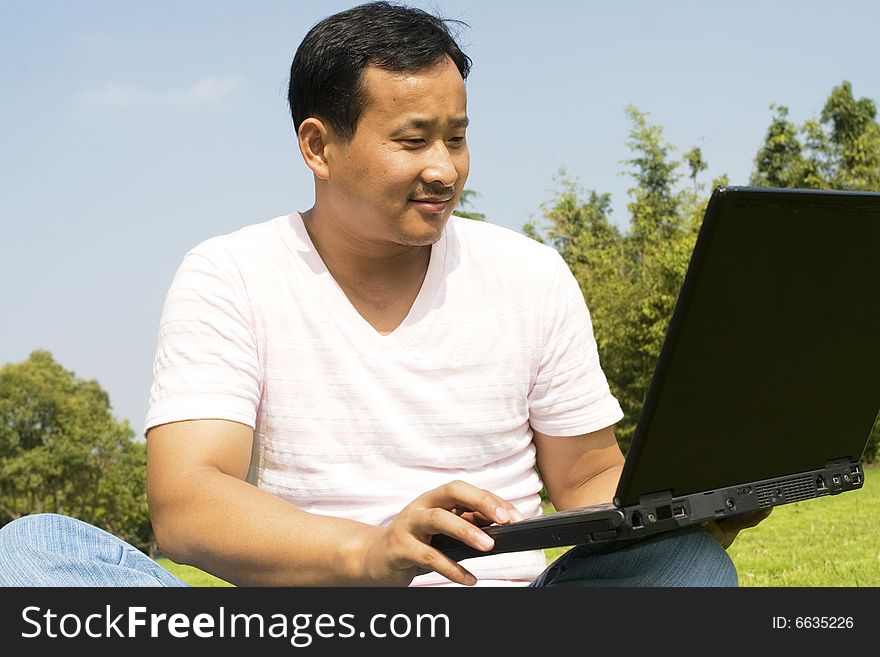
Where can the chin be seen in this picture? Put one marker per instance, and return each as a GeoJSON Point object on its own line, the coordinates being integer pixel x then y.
{"type": "Point", "coordinates": [423, 235]}
{"type": "Point", "coordinates": [419, 240]}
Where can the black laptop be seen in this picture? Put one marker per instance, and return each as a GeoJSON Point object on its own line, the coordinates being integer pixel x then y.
{"type": "Point", "coordinates": [768, 383]}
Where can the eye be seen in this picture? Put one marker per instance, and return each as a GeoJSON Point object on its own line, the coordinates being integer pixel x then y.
{"type": "Point", "coordinates": [457, 141]}
{"type": "Point", "coordinates": [415, 142]}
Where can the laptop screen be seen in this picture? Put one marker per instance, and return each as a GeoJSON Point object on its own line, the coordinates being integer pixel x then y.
{"type": "Point", "coordinates": [771, 363]}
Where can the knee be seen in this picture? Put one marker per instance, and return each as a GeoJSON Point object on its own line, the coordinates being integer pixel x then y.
{"type": "Point", "coordinates": [689, 557]}
{"type": "Point", "coordinates": [38, 550]}
{"type": "Point", "coordinates": [23, 549]}
{"type": "Point", "coordinates": [28, 533]}
{"type": "Point", "coordinates": [694, 558]}
{"type": "Point", "coordinates": [44, 534]}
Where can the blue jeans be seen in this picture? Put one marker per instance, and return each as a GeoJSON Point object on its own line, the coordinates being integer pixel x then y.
{"type": "Point", "coordinates": [686, 557]}
{"type": "Point", "coordinates": [54, 550]}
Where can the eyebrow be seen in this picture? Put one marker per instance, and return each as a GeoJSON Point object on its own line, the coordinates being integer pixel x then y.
{"type": "Point", "coordinates": [417, 123]}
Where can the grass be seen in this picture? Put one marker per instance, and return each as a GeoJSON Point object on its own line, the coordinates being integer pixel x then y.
{"type": "Point", "coordinates": [191, 575]}
{"type": "Point", "coordinates": [832, 541]}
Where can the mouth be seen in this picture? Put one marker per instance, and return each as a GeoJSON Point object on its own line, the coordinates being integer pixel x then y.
{"type": "Point", "coordinates": [433, 204]}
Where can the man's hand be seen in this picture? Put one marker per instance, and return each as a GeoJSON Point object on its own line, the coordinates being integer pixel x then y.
{"type": "Point", "coordinates": [402, 550]}
{"type": "Point", "coordinates": [725, 531]}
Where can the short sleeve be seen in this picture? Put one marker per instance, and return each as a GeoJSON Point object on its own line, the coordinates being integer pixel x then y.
{"type": "Point", "coordinates": [206, 364]}
{"type": "Point", "coordinates": [570, 395]}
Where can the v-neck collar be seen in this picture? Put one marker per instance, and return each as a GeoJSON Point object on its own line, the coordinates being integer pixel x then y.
{"type": "Point", "coordinates": [340, 306]}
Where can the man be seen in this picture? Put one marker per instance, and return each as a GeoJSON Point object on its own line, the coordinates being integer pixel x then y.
{"type": "Point", "coordinates": [335, 387]}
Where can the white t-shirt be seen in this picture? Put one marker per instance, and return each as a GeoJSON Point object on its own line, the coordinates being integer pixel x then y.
{"type": "Point", "coordinates": [352, 423]}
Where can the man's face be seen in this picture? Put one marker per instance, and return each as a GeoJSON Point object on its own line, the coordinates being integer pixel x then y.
{"type": "Point", "coordinates": [402, 174]}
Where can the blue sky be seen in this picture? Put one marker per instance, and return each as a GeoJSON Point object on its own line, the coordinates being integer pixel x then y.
{"type": "Point", "coordinates": [133, 131]}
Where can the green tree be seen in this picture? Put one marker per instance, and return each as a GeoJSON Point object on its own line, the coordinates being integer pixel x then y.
{"type": "Point", "coordinates": [839, 150]}
{"type": "Point", "coordinates": [851, 144]}
{"type": "Point", "coordinates": [467, 196]}
{"type": "Point", "coordinates": [696, 164]}
{"type": "Point", "coordinates": [781, 160]}
{"type": "Point", "coordinates": [630, 279]}
{"type": "Point", "coordinates": [62, 451]}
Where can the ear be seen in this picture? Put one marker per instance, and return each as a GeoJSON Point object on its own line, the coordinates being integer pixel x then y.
{"type": "Point", "coordinates": [313, 138]}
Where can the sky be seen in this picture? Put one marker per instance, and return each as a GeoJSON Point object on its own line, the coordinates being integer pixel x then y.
{"type": "Point", "coordinates": [130, 132]}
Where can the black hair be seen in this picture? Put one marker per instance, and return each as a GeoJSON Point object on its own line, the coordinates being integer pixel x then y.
{"type": "Point", "coordinates": [327, 70]}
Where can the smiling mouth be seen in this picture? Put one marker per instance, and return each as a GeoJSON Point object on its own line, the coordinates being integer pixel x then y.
{"type": "Point", "coordinates": [432, 204]}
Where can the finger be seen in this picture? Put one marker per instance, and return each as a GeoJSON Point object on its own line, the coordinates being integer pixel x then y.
{"type": "Point", "coordinates": [727, 539]}
{"type": "Point", "coordinates": [477, 519]}
{"type": "Point", "coordinates": [480, 520]}
{"type": "Point", "coordinates": [432, 559]}
{"type": "Point", "coordinates": [711, 527]}
{"type": "Point", "coordinates": [745, 520]}
{"type": "Point", "coordinates": [715, 531]}
{"type": "Point", "coordinates": [426, 523]}
{"type": "Point", "coordinates": [473, 517]}
{"type": "Point", "coordinates": [459, 494]}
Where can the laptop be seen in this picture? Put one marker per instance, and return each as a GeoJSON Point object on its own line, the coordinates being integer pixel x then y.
{"type": "Point", "coordinates": [767, 386]}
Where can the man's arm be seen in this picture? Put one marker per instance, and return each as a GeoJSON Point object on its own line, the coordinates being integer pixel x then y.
{"type": "Point", "coordinates": [583, 470]}
{"type": "Point", "coordinates": [579, 470]}
{"type": "Point", "coordinates": [205, 514]}
{"type": "Point", "coordinates": [726, 530]}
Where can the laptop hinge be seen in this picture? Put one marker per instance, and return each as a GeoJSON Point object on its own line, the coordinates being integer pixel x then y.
{"type": "Point", "coordinates": [655, 498]}
{"type": "Point", "coordinates": [837, 462]}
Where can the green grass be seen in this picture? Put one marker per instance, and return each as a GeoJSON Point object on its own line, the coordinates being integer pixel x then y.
{"type": "Point", "coordinates": [832, 541]}
{"type": "Point", "coordinates": [191, 575]}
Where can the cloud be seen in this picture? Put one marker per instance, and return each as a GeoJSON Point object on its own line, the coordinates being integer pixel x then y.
{"type": "Point", "coordinates": [210, 90]}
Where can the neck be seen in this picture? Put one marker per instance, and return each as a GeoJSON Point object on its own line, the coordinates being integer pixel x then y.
{"type": "Point", "coordinates": [354, 261]}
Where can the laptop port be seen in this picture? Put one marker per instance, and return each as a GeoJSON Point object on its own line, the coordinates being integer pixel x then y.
{"type": "Point", "coordinates": [821, 484]}
{"type": "Point", "coordinates": [637, 522]}
{"type": "Point", "coordinates": [679, 512]}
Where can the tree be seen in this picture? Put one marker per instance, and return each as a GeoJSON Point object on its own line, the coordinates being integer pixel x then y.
{"type": "Point", "coordinates": [852, 140]}
{"type": "Point", "coordinates": [840, 150]}
{"type": "Point", "coordinates": [62, 451]}
{"type": "Point", "coordinates": [466, 196]}
{"type": "Point", "coordinates": [630, 279]}
{"type": "Point", "coordinates": [781, 161]}
{"type": "Point", "coordinates": [696, 164]}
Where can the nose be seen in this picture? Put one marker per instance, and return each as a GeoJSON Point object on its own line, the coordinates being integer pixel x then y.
{"type": "Point", "coordinates": [442, 165]}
